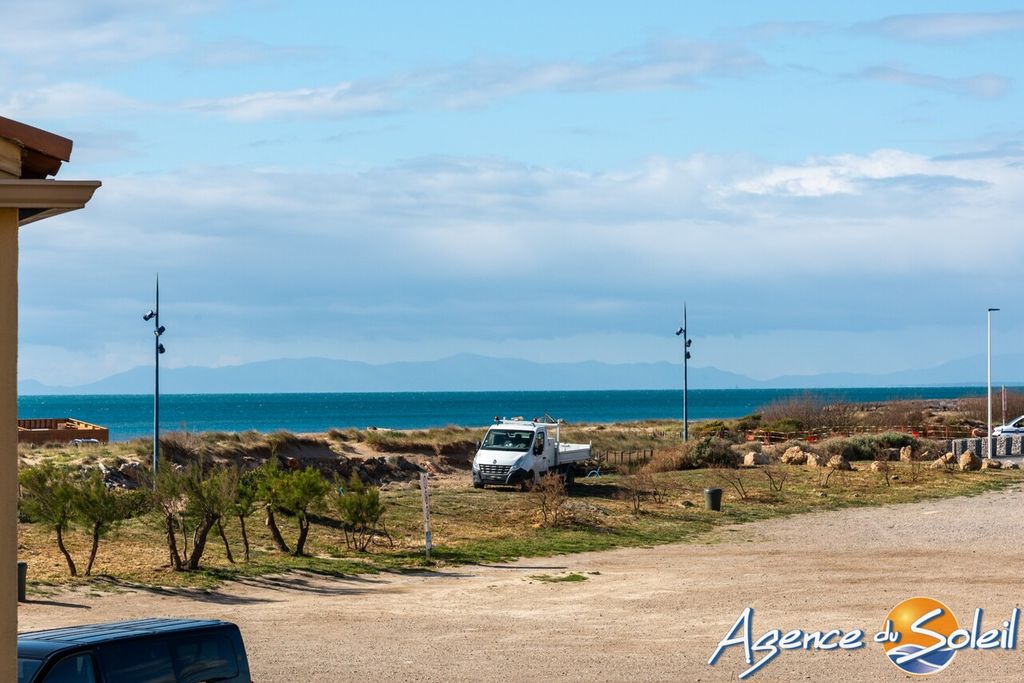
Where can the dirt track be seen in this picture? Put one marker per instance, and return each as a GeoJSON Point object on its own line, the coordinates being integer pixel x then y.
{"type": "Point", "coordinates": [649, 614]}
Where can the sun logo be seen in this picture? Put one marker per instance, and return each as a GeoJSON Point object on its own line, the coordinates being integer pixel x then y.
{"type": "Point", "coordinates": [919, 631]}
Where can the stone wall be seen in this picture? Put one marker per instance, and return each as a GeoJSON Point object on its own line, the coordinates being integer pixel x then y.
{"type": "Point", "coordinates": [1003, 445]}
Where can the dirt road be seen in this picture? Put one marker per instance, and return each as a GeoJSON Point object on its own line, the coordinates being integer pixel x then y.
{"type": "Point", "coordinates": [642, 614]}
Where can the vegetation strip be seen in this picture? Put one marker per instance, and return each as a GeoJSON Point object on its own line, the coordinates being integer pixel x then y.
{"type": "Point", "coordinates": [231, 506]}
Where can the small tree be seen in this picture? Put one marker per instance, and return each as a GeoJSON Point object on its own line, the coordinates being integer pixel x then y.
{"type": "Point", "coordinates": [777, 475]}
{"type": "Point", "coordinates": [302, 491]}
{"type": "Point", "coordinates": [271, 490]}
{"type": "Point", "coordinates": [50, 498]}
{"type": "Point", "coordinates": [550, 494]}
{"type": "Point", "coordinates": [883, 467]}
{"type": "Point", "coordinates": [190, 498]}
{"type": "Point", "coordinates": [170, 498]}
{"type": "Point", "coordinates": [635, 489]}
{"type": "Point", "coordinates": [245, 504]}
{"type": "Point", "coordinates": [362, 513]}
{"type": "Point", "coordinates": [732, 477]}
{"type": "Point", "coordinates": [98, 508]}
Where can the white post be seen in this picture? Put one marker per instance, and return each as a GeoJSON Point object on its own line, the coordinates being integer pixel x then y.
{"type": "Point", "coordinates": [426, 513]}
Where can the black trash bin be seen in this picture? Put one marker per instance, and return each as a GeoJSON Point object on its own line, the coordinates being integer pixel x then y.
{"type": "Point", "coordinates": [22, 577]}
{"type": "Point", "coordinates": [713, 499]}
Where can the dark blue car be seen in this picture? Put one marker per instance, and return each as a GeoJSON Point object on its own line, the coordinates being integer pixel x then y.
{"type": "Point", "coordinates": [143, 651]}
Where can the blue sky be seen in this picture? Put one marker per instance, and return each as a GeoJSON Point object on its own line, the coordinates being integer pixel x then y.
{"type": "Point", "coordinates": [832, 187]}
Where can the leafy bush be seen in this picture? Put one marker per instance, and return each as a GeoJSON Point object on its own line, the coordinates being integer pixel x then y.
{"type": "Point", "coordinates": [749, 422]}
{"type": "Point", "coordinates": [362, 513]}
{"type": "Point", "coordinates": [710, 452]}
{"type": "Point", "coordinates": [192, 500]}
{"type": "Point", "coordinates": [894, 440]}
{"type": "Point", "coordinates": [853, 448]}
{"type": "Point", "coordinates": [50, 498]}
{"type": "Point", "coordinates": [785, 425]}
{"type": "Point", "coordinates": [710, 428]}
{"type": "Point", "coordinates": [302, 492]}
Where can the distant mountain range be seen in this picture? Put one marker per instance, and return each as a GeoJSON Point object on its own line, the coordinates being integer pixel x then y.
{"type": "Point", "coordinates": [469, 372]}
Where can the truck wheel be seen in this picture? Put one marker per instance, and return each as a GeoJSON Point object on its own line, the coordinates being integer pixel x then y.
{"type": "Point", "coordinates": [478, 484]}
{"type": "Point", "coordinates": [570, 477]}
{"type": "Point", "coordinates": [527, 484]}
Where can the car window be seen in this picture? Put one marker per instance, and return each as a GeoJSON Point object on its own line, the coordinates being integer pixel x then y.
{"type": "Point", "coordinates": [27, 668]}
{"type": "Point", "coordinates": [74, 669]}
{"type": "Point", "coordinates": [204, 656]}
{"type": "Point", "coordinates": [144, 660]}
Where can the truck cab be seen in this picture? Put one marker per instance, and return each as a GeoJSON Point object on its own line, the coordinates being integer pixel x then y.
{"type": "Point", "coordinates": [517, 452]}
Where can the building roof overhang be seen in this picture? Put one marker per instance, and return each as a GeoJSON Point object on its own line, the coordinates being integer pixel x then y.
{"type": "Point", "coordinates": [39, 199]}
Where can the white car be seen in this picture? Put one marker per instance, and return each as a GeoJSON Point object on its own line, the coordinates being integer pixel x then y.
{"type": "Point", "coordinates": [1015, 427]}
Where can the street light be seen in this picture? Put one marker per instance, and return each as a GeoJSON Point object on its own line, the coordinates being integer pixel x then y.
{"type": "Point", "coordinates": [681, 332]}
{"type": "Point", "coordinates": [991, 453]}
{"type": "Point", "coordinates": [158, 331]}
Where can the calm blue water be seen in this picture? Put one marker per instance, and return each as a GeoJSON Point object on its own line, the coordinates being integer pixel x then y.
{"type": "Point", "coordinates": [132, 416]}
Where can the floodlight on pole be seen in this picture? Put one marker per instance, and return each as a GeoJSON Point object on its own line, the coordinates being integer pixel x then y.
{"type": "Point", "coordinates": [681, 332]}
{"type": "Point", "coordinates": [991, 452]}
{"type": "Point", "coordinates": [158, 331]}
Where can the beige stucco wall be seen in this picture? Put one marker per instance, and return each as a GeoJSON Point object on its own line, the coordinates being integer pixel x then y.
{"type": "Point", "coordinates": [8, 443]}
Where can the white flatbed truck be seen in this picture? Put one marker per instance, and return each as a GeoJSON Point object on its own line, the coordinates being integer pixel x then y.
{"type": "Point", "coordinates": [517, 452]}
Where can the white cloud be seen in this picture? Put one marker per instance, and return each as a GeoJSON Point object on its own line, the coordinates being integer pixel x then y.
{"type": "Point", "coordinates": [76, 34]}
{"type": "Point", "coordinates": [981, 86]}
{"type": "Point", "coordinates": [666, 65]}
{"type": "Point", "coordinates": [434, 249]}
{"type": "Point", "coordinates": [66, 101]}
{"type": "Point", "coordinates": [949, 26]}
{"type": "Point", "coordinates": [335, 101]}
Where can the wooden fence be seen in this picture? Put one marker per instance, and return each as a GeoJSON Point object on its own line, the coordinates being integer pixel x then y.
{"type": "Point", "coordinates": [635, 456]}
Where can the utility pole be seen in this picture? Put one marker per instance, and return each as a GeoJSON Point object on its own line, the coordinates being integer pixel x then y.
{"type": "Point", "coordinates": [991, 453]}
{"type": "Point", "coordinates": [158, 349]}
{"type": "Point", "coordinates": [682, 332]}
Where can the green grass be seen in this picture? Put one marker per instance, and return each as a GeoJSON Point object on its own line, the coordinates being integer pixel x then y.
{"type": "Point", "coordinates": [572, 577]}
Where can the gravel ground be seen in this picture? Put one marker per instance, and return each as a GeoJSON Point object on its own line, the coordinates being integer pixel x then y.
{"type": "Point", "coordinates": [642, 614]}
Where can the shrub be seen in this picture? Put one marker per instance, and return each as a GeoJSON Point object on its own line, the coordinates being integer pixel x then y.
{"type": "Point", "coordinates": [807, 412]}
{"type": "Point", "coordinates": [362, 513]}
{"type": "Point", "coordinates": [977, 408]}
{"type": "Point", "coordinates": [302, 491]}
{"type": "Point", "coordinates": [99, 508]}
{"type": "Point", "coordinates": [636, 488]}
{"type": "Point", "coordinates": [710, 428]}
{"type": "Point", "coordinates": [749, 422]}
{"type": "Point", "coordinates": [550, 494]}
{"type": "Point", "coordinates": [50, 498]}
{"type": "Point", "coordinates": [854, 448]}
{"type": "Point", "coordinates": [785, 425]}
{"type": "Point", "coordinates": [190, 499]}
{"type": "Point", "coordinates": [711, 452]}
{"type": "Point", "coordinates": [894, 440]}
{"type": "Point", "coordinates": [669, 460]}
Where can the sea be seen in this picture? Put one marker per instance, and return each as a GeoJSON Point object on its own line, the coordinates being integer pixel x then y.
{"type": "Point", "coordinates": [129, 417]}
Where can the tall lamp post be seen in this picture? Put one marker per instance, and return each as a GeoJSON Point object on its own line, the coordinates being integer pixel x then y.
{"type": "Point", "coordinates": [991, 452]}
{"type": "Point", "coordinates": [158, 331]}
{"type": "Point", "coordinates": [681, 332]}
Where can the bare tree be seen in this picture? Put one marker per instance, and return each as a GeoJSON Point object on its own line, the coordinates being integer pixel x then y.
{"type": "Point", "coordinates": [550, 494]}
{"type": "Point", "coordinates": [777, 475]}
{"type": "Point", "coordinates": [732, 477]}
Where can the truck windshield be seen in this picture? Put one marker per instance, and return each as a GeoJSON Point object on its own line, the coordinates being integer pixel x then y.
{"type": "Point", "coordinates": [507, 440]}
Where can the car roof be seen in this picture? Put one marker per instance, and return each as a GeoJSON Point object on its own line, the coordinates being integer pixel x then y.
{"type": "Point", "coordinates": [516, 426]}
{"type": "Point", "coordinates": [41, 644]}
